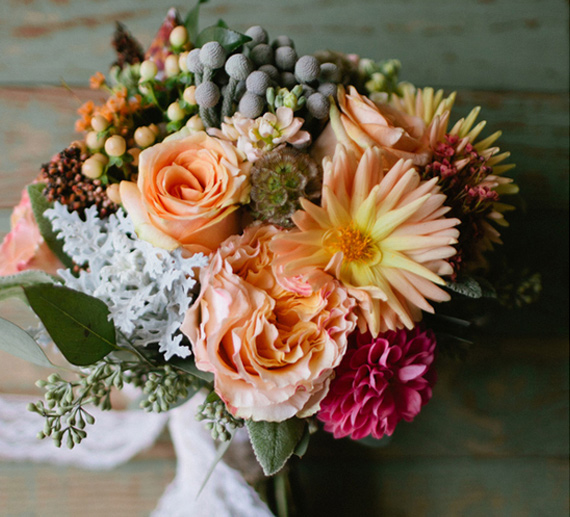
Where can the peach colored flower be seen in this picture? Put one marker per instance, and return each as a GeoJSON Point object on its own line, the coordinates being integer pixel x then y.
{"type": "Point", "coordinates": [382, 234]}
{"type": "Point", "coordinates": [24, 248]}
{"type": "Point", "coordinates": [257, 136]}
{"type": "Point", "coordinates": [188, 193]}
{"type": "Point", "coordinates": [272, 351]}
{"type": "Point", "coordinates": [359, 123]}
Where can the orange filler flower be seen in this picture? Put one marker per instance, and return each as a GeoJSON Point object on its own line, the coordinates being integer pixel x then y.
{"type": "Point", "coordinates": [384, 235]}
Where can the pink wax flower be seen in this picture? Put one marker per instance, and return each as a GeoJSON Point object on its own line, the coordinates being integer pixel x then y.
{"type": "Point", "coordinates": [24, 248]}
{"type": "Point", "coordinates": [379, 382]}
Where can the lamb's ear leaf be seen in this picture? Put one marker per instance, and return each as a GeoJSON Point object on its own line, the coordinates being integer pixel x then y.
{"type": "Point", "coordinates": [274, 442]}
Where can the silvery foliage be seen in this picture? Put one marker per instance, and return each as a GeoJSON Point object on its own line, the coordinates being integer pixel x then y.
{"type": "Point", "coordinates": [148, 290]}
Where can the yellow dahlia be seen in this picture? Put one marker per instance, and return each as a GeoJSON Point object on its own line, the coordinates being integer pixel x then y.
{"type": "Point", "coordinates": [384, 235]}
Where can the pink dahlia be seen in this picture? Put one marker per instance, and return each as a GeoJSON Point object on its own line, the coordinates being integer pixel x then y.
{"type": "Point", "coordinates": [379, 382]}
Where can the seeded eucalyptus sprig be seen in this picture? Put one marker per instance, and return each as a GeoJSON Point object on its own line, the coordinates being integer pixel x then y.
{"type": "Point", "coordinates": [64, 408]}
{"type": "Point", "coordinates": [65, 400]}
{"type": "Point", "coordinates": [220, 422]}
{"type": "Point", "coordinates": [164, 387]}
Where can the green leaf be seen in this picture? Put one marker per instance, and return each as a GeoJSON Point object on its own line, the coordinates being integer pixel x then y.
{"type": "Point", "coordinates": [466, 286]}
{"type": "Point", "coordinates": [222, 23]}
{"type": "Point", "coordinates": [19, 343]}
{"type": "Point", "coordinates": [189, 366]}
{"type": "Point", "coordinates": [39, 205]}
{"type": "Point", "coordinates": [274, 442]}
{"type": "Point", "coordinates": [227, 38]}
{"type": "Point", "coordinates": [191, 21]}
{"type": "Point", "coordinates": [77, 322]}
{"type": "Point", "coordinates": [222, 449]}
{"type": "Point", "coordinates": [303, 444]}
{"type": "Point", "coordinates": [11, 285]}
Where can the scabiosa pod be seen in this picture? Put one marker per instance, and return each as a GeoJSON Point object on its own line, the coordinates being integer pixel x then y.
{"type": "Point", "coordinates": [278, 181]}
{"type": "Point", "coordinates": [379, 382]}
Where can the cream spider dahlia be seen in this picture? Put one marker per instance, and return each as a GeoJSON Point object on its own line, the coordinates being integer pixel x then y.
{"type": "Point", "coordinates": [469, 173]}
{"type": "Point", "coordinates": [384, 235]}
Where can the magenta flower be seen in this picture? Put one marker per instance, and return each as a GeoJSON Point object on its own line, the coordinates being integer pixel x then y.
{"type": "Point", "coordinates": [379, 382]}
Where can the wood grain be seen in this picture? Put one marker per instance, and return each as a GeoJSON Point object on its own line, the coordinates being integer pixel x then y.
{"type": "Point", "coordinates": [484, 44]}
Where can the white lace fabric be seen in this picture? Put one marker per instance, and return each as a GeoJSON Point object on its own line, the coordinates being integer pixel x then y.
{"type": "Point", "coordinates": [118, 436]}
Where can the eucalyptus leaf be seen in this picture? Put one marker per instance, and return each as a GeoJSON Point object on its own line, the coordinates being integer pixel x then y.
{"type": "Point", "coordinates": [39, 205]}
{"type": "Point", "coordinates": [227, 38]}
{"type": "Point", "coordinates": [274, 442]}
{"type": "Point", "coordinates": [191, 21]}
{"type": "Point", "coordinates": [189, 366]}
{"type": "Point", "coordinates": [20, 344]}
{"type": "Point", "coordinates": [77, 323]}
{"type": "Point", "coordinates": [466, 286]}
{"type": "Point", "coordinates": [11, 285]}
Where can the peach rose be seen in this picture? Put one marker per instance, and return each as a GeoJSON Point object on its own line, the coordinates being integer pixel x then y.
{"type": "Point", "coordinates": [272, 351]}
{"type": "Point", "coordinates": [361, 124]}
{"type": "Point", "coordinates": [188, 193]}
{"type": "Point", "coordinates": [24, 248]}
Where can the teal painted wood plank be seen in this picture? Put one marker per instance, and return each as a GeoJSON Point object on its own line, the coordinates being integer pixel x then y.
{"type": "Point", "coordinates": [131, 490]}
{"type": "Point", "coordinates": [535, 131]}
{"type": "Point", "coordinates": [485, 44]}
{"type": "Point", "coordinates": [433, 487]}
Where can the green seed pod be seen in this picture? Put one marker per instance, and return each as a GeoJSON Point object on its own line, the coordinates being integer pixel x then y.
{"type": "Point", "coordinates": [307, 69]}
{"type": "Point", "coordinates": [271, 71]}
{"type": "Point", "coordinates": [262, 54]}
{"type": "Point", "coordinates": [207, 94]}
{"type": "Point", "coordinates": [283, 41]}
{"type": "Point", "coordinates": [328, 89]}
{"type": "Point", "coordinates": [251, 105]}
{"type": "Point", "coordinates": [330, 72]}
{"type": "Point", "coordinates": [257, 34]}
{"type": "Point", "coordinates": [193, 62]}
{"type": "Point", "coordinates": [238, 67]}
{"type": "Point", "coordinates": [212, 55]}
{"type": "Point", "coordinates": [257, 82]}
{"type": "Point", "coordinates": [285, 58]}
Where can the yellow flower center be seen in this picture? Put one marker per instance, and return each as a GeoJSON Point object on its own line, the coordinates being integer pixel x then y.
{"type": "Point", "coordinates": [354, 245]}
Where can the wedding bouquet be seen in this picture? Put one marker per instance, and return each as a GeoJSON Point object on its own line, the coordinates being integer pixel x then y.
{"type": "Point", "coordinates": [283, 232]}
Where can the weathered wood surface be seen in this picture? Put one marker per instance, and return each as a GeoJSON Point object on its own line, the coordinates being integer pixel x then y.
{"type": "Point", "coordinates": [484, 44]}
{"type": "Point", "coordinates": [494, 439]}
{"type": "Point", "coordinates": [535, 131]}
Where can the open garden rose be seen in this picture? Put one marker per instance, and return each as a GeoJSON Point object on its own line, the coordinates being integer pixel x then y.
{"type": "Point", "coordinates": [272, 351]}
{"type": "Point", "coordinates": [188, 193]}
{"type": "Point", "coordinates": [24, 248]}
